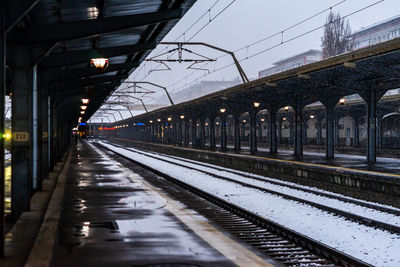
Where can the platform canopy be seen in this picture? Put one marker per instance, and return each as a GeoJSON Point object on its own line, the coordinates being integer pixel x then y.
{"type": "Point", "coordinates": [63, 37]}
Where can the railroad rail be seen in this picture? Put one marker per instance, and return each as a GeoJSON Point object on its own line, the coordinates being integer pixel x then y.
{"type": "Point", "coordinates": [279, 242]}
{"type": "Point", "coordinates": [348, 215]}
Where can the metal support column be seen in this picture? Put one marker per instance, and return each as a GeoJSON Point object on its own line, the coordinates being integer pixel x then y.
{"type": "Point", "coordinates": [329, 139]}
{"type": "Point", "coordinates": [194, 133]}
{"type": "Point", "coordinates": [371, 126]}
{"type": "Point", "coordinates": [272, 132]}
{"type": "Point", "coordinates": [202, 133]}
{"type": "Point", "coordinates": [186, 142]}
{"type": "Point", "coordinates": [180, 127]}
{"type": "Point", "coordinates": [212, 132]}
{"type": "Point", "coordinates": [237, 134]}
{"type": "Point", "coordinates": [37, 132]}
{"type": "Point", "coordinates": [2, 117]}
{"type": "Point", "coordinates": [21, 178]}
{"type": "Point", "coordinates": [298, 121]}
{"type": "Point", "coordinates": [44, 134]}
{"type": "Point", "coordinates": [223, 132]}
{"type": "Point", "coordinates": [253, 132]}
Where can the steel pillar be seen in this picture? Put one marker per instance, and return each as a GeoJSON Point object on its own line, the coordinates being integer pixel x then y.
{"type": "Point", "coordinates": [21, 178]}
{"type": "Point", "coordinates": [272, 132]}
{"type": "Point", "coordinates": [37, 131]}
{"type": "Point", "coordinates": [237, 134]}
{"type": "Point", "coordinates": [44, 134]}
{"type": "Point", "coordinates": [298, 121]}
{"type": "Point", "coordinates": [212, 132]}
{"type": "Point", "coordinates": [260, 135]}
{"type": "Point", "coordinates": [194, 133]}
{"type": "Point", "coordinates": [223, 132]}
{"type": "Point", "coordinates": [329, 139]}
{"type": "Point", "coordinates": [253, 132]}
{"type": "Point", "coordinates": [2, 117]}
{"type": "Point", "coordinates": [186, 133]}
{"type": "Point", "coordinates": [202, 133]}
{"type": "Point", "coordinates": [180, 126]}
{"type": "Point", "coordinates": [371, 126]}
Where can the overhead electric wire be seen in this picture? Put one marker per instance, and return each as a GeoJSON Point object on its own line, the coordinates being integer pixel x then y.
{"type": "Point", "coordinates": [276, 45]}
{"type": "Point", "coordinates": [184, 33]}
{"type": "Point", "coordinates": [265, 38]}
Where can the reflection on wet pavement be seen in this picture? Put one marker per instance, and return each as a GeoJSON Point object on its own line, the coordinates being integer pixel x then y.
{"type": "Point", "coordinates": [110, 218]}
{"type": "Point", "coordinates": [7, 189]}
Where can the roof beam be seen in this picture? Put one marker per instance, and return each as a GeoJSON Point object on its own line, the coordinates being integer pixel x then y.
{"type": "Point", "coordinates": [84, 56]}
{"type": "Point", "coordinates": [16, 10]}
{"type": "Point", "coordinates": [76, 73]}
{"type": "Point", "coordinates": [56, 32]}
{"type": "Point", "coordinates": [90, 81]}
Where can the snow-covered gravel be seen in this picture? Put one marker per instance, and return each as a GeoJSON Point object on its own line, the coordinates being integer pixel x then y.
{"type": "Point", "coordinates": [331, 202]}
{"type": "Point", "coordinates": [377, 247]}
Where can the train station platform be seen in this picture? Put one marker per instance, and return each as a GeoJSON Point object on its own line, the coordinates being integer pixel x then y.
{"type": "Point", "coordinates": [111, 216]}
{"type": "Point", "coordinates": [345, 174]}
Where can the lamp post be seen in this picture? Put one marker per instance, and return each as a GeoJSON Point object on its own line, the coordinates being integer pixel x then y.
{"type": "Point", "coordinates": [253, 125]}
{"type": "Point", "coordinates": [223, 128]}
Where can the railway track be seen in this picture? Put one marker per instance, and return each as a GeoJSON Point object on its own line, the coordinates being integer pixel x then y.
{"type": "Point", "coordinates": [348, 215]}
{"type": "Point", "coordinates": [285, 245]}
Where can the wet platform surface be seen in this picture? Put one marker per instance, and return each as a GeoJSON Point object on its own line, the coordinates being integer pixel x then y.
{"type": "Point", "coordinates": [110, 218]}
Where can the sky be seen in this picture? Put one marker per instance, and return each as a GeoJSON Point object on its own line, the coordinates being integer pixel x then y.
{"type": "Point", "coordinates": [244, 22]}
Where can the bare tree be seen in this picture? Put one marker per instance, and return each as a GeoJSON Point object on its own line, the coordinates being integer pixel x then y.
{"type": "Point", "coordinates": [336, 39]}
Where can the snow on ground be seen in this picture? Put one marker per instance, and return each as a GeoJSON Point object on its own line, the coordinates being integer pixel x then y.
{"type": "Point", "coordinates": [377, 247]}
{"type": "Point", "coordinates": [338, 204]}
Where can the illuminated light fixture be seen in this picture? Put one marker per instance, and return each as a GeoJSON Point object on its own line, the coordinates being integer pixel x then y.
{"type": "Point", "coordinates": [158, 120]}
{"type": "Point", "coordinates": [169, 119]}
{"type": "Point", "coordinates": [83, 107]}
{"type": "Point", "coordinates": [256, 104]}
{"type": "Point", "coordinates": [151, 121]}
{"type": "Point", "coordinates": [7, 136]}
{"type": "Point", "coordinates": [134, 124]}
{"type": "Point", "coordinates": [284, 118]}
{"type": "Point", "coordinates": [99, 63]}
{"type": "Point", "coordinates": [311, 116]}
{"type": "Point", "coordinates": [85, 101]}
{"type": "Point", "coordinates": [217, 123]}
{"type": "Point", "coordinates": [82, 112]}
{"type": "Point", "coordinates": [342, 101]}
{"type": "Point", "coordinates": [244, 121]}
{"type": "Point", "coordinates": [262, 119]}
{"type": "Point", "coordinates": [80, 120]}
{"type": "Point", "coordinates": [287, 108]}
{"type": "Point", "coordinates": [222, 110]}
{"type": "Point", "coordinates": [206, 124]}
{"type": "Point", "coordinates": [182, 117]}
